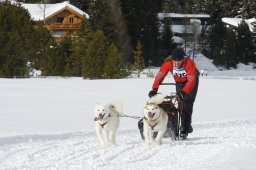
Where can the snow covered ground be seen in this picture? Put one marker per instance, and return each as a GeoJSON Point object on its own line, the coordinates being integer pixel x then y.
{"type": "Point", "coordinates": [47, 123]}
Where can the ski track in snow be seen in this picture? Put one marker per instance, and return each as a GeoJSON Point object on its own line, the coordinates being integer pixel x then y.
{"type": "Point", "coordinates": [81, 150]}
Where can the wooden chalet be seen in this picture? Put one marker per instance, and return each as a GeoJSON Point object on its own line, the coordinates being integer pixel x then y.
{"type": "Point", "coordinates": [59, 18]}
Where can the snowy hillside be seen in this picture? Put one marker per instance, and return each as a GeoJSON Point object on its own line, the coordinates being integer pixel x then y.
{"type": "Point", "coordinates": [48, 124]}
{"type": "Point", "coordinates": [204, 63]}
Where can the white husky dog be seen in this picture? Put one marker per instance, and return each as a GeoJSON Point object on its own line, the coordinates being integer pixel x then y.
{"type": "Point", "coordinates": [155, 120]}
{"type": "Point", "coordinates": [107, 121]}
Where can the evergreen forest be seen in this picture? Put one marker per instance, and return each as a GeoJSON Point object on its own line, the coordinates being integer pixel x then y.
{"type": "Point", "coordinates": [121, 36]}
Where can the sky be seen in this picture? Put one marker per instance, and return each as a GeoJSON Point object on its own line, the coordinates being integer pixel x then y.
{"type": "Point", "coordinates": [47, 123]}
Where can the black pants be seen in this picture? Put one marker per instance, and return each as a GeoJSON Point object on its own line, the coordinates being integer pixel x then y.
{"type": "Point", "coordinates": [187, 105]}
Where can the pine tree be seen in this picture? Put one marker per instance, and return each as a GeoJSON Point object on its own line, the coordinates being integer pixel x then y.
{"type": "Point", "coordinates": [166, 45]}
{"type": "Point", "coordinates": [120, 35]}
{"type": "Point", "coordinates": [45, 42]}
{"type": "Point", "coordinates": [230, 49]}
{"type": "Point", "coordinates": [75, 59]}
{"type": "Point", "coordinates": [78, 48]}
{"type": "Point", "coordinates": [66, 49]}
{"type": "Point", "coordinates": [254, 44]}
{"type": "Point", "coordinates": [99, 12]}
{"type": "Point", "coordinates": [47, 56]}
{"type": "Point", "coordinates": [84, 5]}
{"type": "Point", "coordinates": [203, 6]}
{"type": "Point", "coordinates": [114, 65]}
{"type": "Point", "coordinates": [233, 8]}
{"type": "Point", "coordinates": [56, 61]}
{"type": "Point", "coordinates": [173, 6]}
{"type": "Point", "coordinates": [217, 36]}
{"type": "Point", "coordinates": [15, 40]}
{"type": "Point", "coordinates": [248, 9]}
{"type": "Point", "coordinates": [95, 57]}
{"type": "Point", "coordinates": [142, 22]}
{"type": "Point", "coordinates": [245, 43]}
{"type": "Point", "coordinates": [204, 42]}
{"type": "Point", "coordinates": [102, 58]}
{"type": "Point", "coordinates": [138, 64]}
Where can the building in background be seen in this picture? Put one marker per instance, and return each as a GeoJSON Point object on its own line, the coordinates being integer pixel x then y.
{"type": "Point", "coordinates": [186, 27]}
{"type": "Point", "coordinates": [60, 18]}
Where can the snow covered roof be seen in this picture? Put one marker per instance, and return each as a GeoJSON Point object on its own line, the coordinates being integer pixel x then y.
{"type": "Point", "coordinates": [37, 10]}
{"type": "Point", "coordinates": [176, 15]}
{"type": "Point", "coordinates": [178, 40]}
{"type": "Point", "coordinates": [236, 21]}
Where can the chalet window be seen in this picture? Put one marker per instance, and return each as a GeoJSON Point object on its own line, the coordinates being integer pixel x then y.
{"type": "Point", "coordinates": [57, 33]}
{"type": "Point", "coordinates": [176, 22]}
{"type": "Point", "coordinates": [60, 19]}
{"type": "Point", "coordinates": [71, 20]}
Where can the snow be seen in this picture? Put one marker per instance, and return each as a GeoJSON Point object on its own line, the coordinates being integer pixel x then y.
{"type": "Point", "coordinates": [47, 123]}
{"type": "Point", "coordinates": [236, 21]}
{"type": "Point", "coordinates": [202, 62]}
{"type": "Point", "coordinates": [177, 40]}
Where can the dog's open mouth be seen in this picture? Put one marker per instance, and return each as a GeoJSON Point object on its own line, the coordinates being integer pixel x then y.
{"type": "Point", "coordinates": [151, 115]}
{"type": "Point", "coordinates": [100, 117]}
{"type": "Point", "coordinates": [96, 118]}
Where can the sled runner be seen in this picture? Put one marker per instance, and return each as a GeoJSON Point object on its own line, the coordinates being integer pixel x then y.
{"type": "Point", "coordinates": [170, 106]}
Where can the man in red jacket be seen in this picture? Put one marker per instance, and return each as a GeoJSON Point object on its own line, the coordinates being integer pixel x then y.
{"type": "Point", "coordinates": [186, 77]}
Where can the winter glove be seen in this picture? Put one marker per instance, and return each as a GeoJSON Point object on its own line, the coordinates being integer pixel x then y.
{"type": "Point", "coordinates": [152, 93]}
{"type": "Point", "coordinates": [181, 95]}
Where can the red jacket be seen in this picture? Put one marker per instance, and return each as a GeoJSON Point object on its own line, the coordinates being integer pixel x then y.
{"type": "Point", "coordinates": [187, 73]}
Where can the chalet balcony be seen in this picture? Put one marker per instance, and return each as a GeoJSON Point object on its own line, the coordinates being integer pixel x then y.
{"type": "Point", "coordinates": [62, 26]}
{"type": "Point", "coordinates": [182, 29]}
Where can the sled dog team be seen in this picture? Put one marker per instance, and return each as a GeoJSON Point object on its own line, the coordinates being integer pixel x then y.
{"type": "Point", "coordinates": [107, 121]}
{"type": "Point", "coordinates": [155, 119]}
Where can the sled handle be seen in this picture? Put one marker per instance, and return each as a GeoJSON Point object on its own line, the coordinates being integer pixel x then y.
{"type": "Point", "coordinates": [168, 84]}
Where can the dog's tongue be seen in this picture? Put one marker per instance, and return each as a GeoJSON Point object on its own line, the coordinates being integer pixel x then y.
{"type": "Point", "coordinates": [98, 118]}
{"type": "Point", "coordinates": [151, 115]}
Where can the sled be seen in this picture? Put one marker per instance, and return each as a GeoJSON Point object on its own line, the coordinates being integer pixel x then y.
{"type": "Point", "coordinates": [170, 106]}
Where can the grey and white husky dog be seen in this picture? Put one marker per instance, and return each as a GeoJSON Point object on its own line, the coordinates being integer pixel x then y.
{"type": "Point", "coordinates": [155, 120]}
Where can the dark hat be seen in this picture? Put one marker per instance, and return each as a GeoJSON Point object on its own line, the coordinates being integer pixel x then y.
{"type": "Point", "coordinates": [178, 54]}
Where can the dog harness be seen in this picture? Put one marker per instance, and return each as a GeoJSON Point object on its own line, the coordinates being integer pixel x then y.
{"type": "Point", "coordinates": [149, 122]}
{"type": "Point", "coordinates": [102, 125]}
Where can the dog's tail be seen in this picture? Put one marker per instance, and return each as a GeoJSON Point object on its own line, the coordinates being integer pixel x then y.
{"type": "Point", "coordinates": [157, 99]}
{"type": "Point", "coordinates": [117, 106]}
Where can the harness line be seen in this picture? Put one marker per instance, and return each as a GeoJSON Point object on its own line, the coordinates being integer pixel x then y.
{"type": "Point", "coordinates": [134, 117]}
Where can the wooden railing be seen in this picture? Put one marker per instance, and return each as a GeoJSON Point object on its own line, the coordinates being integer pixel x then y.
{"type": "Point", "coordinates": [63, 26]}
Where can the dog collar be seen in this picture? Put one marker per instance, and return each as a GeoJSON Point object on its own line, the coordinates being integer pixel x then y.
{"type": "Point", "coordinates": [102, 125]}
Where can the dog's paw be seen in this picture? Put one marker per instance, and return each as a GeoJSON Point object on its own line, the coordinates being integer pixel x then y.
{"type": "Point", "coordinates": [104, 146]}
{"type": "Point", "coordinates": [158, 143]}
{"type": "Point", "coordinates": [149, 144]}
{"type": "Point", "coordinates": [112, 145]}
